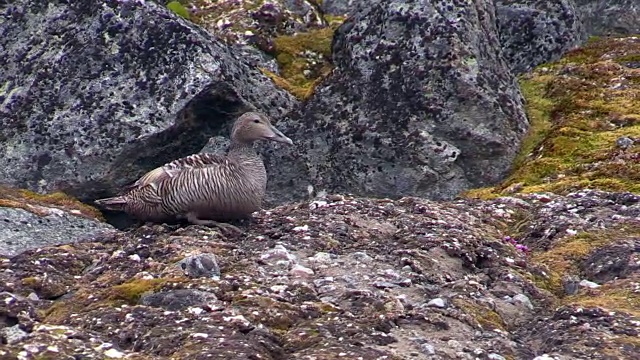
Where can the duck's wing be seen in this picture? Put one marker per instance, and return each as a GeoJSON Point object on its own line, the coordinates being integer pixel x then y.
{"type": "Point", "coordinates": [174, 168]}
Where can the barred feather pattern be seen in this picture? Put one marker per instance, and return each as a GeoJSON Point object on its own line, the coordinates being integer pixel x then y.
{"type": "Point", "coordinates": [208, 185]}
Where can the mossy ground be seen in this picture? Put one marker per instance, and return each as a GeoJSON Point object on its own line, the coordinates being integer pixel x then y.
{"type": "Point", "coordinates": [31, 201]}
{"type": "Point", "coordinates": [578, 107]}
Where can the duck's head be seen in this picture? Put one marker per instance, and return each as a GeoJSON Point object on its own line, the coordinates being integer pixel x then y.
{"type": "Point", "coordinates": [252, 126]}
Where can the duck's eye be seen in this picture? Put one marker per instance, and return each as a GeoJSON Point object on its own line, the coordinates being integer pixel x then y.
{"type": "Point", "coordinates": [256, 121]}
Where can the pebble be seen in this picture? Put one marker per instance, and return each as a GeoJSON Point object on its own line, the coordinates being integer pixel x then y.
{"type": "Point", "coordinates": [437, 302]}
{"type": "Point", "coordinates": [201, 265]}
{"type": "Point", "coordinates": [524, 299]}
{"type": "Point", "coordinates": [589, 284]}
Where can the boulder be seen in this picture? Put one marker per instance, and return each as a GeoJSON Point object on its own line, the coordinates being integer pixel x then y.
{"type": "Point", "coordinates": [610, 17]}
{"type": "Point", "coordinates": [421, 102]}
{"type": "Point", "coordinates": [96, 93]}
{"type": "Point", "coordinates": [29, 220]}
{"type": "Point", "coordinates": [533, 32]}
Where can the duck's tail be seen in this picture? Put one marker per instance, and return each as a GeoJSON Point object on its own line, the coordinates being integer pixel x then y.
{"type": "Point", "coordinates": [113, 203]}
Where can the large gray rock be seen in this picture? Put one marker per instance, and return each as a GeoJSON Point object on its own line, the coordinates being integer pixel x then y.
{"type": "Point", "coordinates": [97, 92]}
{"type": "Point", "coordinates": [606, 17]}
{"type": "Point", "coordinates": [533, 32]}
{"type": "Point", "coordinates": [22, 230]}
{"type": "Point", "coordinates": [421, 102]}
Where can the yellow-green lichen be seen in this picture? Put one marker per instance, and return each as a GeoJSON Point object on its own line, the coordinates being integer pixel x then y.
{"type": "Point", "coordinates": [608, 297]}
{"type": "Point", "coordinates": [179, 9]}
{"type": "Point", "coordinates": [566, 256]}
{"type": "Point", "coordinates": [303, 59]}
{"type": "Point", "coordinates": [485, 317]}
{"type": "Point", "coordinates": [132, 291]}
{"type": "Point", "coordinates": [578, 108]}
{"type": "Point", "coordinates": [37, 203]}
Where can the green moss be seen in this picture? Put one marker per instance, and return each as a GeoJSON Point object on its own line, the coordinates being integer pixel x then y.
{"type": "Point", "coordinates": [578, 107]}
{"type": "Point", "coordinates": [28, 200]}
{"type": "Point", "coordinates": [607, 297]}
{"type": "Point", "coordinates": [566, 256]}
{"type": "Point", "coordinates": [486, 318]}
{"type": "Point", "coordinates": [179, 9]}
{"type": "Point", "coordinates": [133, 290]}
{"type": "Point", "coordinates": [308, 52]}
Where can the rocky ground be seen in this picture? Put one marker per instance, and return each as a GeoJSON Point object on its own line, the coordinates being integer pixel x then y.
{"type": "Point", "coordinates": [544, 265]}
{"type": "Point", "coordinates": [342, 277]}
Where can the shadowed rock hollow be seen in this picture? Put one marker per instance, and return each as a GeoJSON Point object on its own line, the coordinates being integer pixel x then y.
{"type": "Point", "coordinates": [95, 93]}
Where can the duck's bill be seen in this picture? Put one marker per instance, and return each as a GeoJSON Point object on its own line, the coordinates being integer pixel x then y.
{"type": "Point", "coordinates": [280, 137]}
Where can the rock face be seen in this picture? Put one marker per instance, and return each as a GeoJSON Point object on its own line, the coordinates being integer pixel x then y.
{"type": "Point", "coordinates": [537, 31]}
{"type": "Point", "coordinates": [94, 95]}
{"type": "Point", "coordinates": [420, 103]}
{"type": "Point", "coordinates": [604, 17]}
{"type": "Point", "coordinates": [341, 277]}
{"type": "Point", "coordinates": [29, 220]}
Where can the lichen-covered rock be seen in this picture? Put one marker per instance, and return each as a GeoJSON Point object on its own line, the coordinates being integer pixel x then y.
{"type": "Point", "coordinates": [608, 17]}
{"type": "Point", "coordinates": [95, 95]}
{"type": "Point", "coordinates": [29, 220]}
{"type": "Point", "coordinates": [533, 32]}
{"type": "Point", "coordinates": [338, 277]}
{"type": "Point", "coordinates": [418, 104]}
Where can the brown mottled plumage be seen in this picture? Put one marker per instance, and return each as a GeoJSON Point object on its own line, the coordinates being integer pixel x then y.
{"type": "Point", "coordinates": [203, 187]}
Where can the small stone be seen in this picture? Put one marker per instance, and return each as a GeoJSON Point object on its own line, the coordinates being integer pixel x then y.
{"type": "Point", "coordinates": [279, 255]}
{"type": "Point", "coordinates": [301, 271]}
{"type": "Point", "coordinates": [201, 265]}
{"type": "Point", "coordinates": [384, 285]}
{"type": "Point", "coordinates": [624, 142]}
{"type": "Point", "coordinates": [13, 335]}
{"type": "Point", "coordinates": [428, 349]}
{"type": "Point", "coordinates": [523, 299]}
{"type": "Point", "coordinates": [321, 257]}
{"type": "Point", "coordinates": [570, 284]}
{"type": "Point", "coordinates": [114, 354]}
{"type": "Point", "coordinates": [589, 284]}
{"type": "Point", "coordinates": [437, 302]}
{"type": "Point", "coordinates": [362, 257]}
{"type": "Point", "coordinates": [494, 356]}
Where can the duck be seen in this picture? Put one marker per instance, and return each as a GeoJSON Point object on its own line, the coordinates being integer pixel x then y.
{"type": "Point", "coordinates": [205, 187]}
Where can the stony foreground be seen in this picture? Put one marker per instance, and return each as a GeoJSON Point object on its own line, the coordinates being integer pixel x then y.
{"type": "Point", "coordinates": [343, 278]}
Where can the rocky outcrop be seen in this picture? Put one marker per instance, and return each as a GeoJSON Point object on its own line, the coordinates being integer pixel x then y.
{"type": "Point", "coordinates": [418, 104]}
{"type": "Point", "coordinates": [97, 94]}
{"type": "Point", "coordinates": [537, 31]}
{"type": "Point", "coordinates": [341, 277]}
{"type": "Point", "coordinates": [29, 220]}
{"type": "Point", "coordinates": [610, 17]}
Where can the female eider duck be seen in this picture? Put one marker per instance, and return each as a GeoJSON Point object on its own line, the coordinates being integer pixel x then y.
{"type": "Point", "coordinates": [203, 187]}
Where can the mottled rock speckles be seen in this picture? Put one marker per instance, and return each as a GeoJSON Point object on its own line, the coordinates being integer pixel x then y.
{"type": "Point", "coordinates": [94, 95]}
{"type": "Point", "coordinates": [420, 103]}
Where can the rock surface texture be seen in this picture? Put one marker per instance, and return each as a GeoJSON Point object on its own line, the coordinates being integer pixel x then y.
{"type": "Point", "coordinates": [87, 114]}
{"type": "Point", "coordinates": [538, 31]}
{"type": "Point", "coordinates": [342, 277]}
{"type": "Point", "coordinates": [29, 220]}
{"type": "Point", "coordinates": [420, 103]}
{"type": "Point", "coordinates": [605, 17]}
